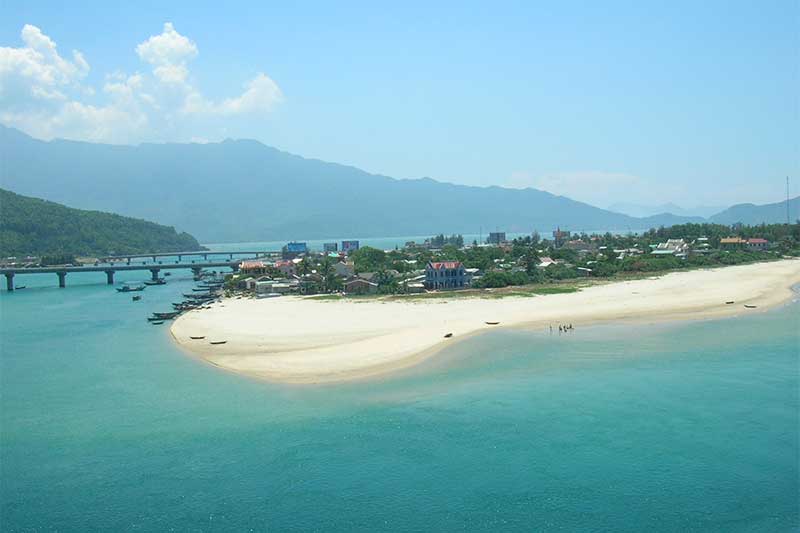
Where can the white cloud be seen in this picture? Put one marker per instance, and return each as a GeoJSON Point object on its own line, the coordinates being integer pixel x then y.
{"type": "Point", "coordinates": [43, 93]}
{"type": "Point", "coordinates": [168, 48]}
{"type": "Point", "coordinates": [261, 94]}
{"type": "Point", "coordinates": [36, 71]}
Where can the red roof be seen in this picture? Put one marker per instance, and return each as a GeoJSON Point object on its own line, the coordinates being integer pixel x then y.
{"type": "Point", "coordinates": [251, 265]}
{"type": "Point", "coordinates": [447, 265]}
{"type": "Point", "coordinates": [757, 241]}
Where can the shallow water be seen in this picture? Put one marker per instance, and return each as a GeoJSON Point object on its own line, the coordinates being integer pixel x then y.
{"type": "Point", "coordinates": [106, 425]}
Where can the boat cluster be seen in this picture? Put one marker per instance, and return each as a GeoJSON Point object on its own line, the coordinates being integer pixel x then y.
{"type": "Point", "coordinates": [207, 291]}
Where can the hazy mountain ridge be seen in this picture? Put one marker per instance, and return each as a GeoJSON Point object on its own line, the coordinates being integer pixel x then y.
{"type": "Point", "coordinates": [757, 214]}
{"type": "Point", "coordinates": [638, 210]}
{"type": "Point", "coordinates": [246, 191]}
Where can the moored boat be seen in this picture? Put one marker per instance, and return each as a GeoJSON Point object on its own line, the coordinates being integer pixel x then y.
{"type": "Point", "coordinates": [130, 288]}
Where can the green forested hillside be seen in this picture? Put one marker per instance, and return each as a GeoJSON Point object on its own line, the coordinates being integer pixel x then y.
{"type": "Point", "coordinates": [30, 226]}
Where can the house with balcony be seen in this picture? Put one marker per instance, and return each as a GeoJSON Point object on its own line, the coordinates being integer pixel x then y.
{"type": "Point", "coordinates": [445, 275]}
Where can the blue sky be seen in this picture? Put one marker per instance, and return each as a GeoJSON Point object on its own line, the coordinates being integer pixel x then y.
{"type": "Point", "coordinates": [647, 102]}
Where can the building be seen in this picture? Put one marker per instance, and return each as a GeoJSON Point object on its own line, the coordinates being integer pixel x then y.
{"type": "Point", "coordinates": [545, 262]}
{"type": "Point", "coordinates": [757, 245]}
{"type": "Point", "coordinates": [415, 287]}
{"type": "Point", "coordinates": [732, 243]}
{"type": "Point", "coordinates": [445, 275]}
{"type": "Point", "coordinates": [349, 246]}
{"type": "Point", "coordinates": [253, 267]}
{"type": "Point", "coordinates": [560, 237]}
{"type": "Point", "coordinates": [344, 270]}
{"type": "Point", "coordinates": [496, 237]}
{"type": "Point", "coordinates": [330, 247]}
{"type": "Point", "coordinates": [580, 246]}
{"type": "Point", "coordinates": [288, 268]}
{"type": "Point", "coordinates": [360, 286]}
{"type": "Point", "coordinates": [673, 247]}
{"type": "Point", "coordinates": [294, 249]}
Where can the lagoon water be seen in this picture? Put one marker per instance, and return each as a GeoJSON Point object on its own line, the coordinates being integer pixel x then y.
{"type": "Point", "coordinates": [106, 425]}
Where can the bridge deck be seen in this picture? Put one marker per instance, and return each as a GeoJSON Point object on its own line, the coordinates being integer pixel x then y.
{"type": "Point", "coordinates": [109, 270]}
{"type": "Point", "coordinates": [204, 253]}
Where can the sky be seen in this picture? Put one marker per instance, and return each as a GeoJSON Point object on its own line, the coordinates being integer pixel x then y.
{"type": "Point", "coordinates": [696, 103]}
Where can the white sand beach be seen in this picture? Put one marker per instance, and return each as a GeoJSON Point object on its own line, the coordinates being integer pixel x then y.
{"type": "Point", "coordinates": [302, 340]}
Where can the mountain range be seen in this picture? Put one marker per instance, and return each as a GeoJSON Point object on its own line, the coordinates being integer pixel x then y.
{"type": "Point", "coordinates": [242, 190]}
{"type": "Point", "coordinates": [638, 210]}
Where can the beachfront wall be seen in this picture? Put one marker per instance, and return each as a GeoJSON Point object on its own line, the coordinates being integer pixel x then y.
{"type": "Point", "coordinates": [445, 275]}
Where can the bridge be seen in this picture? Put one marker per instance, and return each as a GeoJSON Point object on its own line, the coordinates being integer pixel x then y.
{"type": "Point", "coordinates": [62, 271]}
{"type": "Point", "coordinates": [205, 253]}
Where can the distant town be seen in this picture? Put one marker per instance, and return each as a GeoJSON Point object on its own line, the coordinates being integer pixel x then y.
{"type": "Point", "coordinates": [447, 263]}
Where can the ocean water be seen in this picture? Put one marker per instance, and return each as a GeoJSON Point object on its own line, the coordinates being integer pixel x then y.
{"type": "Point", "coordinates": [106, 426]}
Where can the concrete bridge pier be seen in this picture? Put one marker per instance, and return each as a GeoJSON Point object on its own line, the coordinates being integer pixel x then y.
{"type": "Point", "coordinates": [205, 256]}
{"type": "Point", "coordinates": [9, 281]}
{"type": "Point", "coordinates": [154, 272]}
{"type": "Point", "coordinates": [129, 260]}
{"type": "Point", "coordinates": [62, 279]}
{"type": "Point", "coordinates": [110, 277]}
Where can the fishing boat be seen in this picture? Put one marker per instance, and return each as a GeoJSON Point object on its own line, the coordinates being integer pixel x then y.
{"type": "Point", "coordinates": [137, 298]}
{"type": "Point", "coordinates": [154, 319]}
{"type": "Point", "coordinates": [197, 338]}
{"type": "Point", "coordinates": [165, 316]}
{"type": "Point", "coordinates": [217, 342]}
{"type": "Point", "coordinates": [167, 273]}
{"type": "Point", "coordinates": [159, 281]}
{"type": "Point", "coordinates": [130, 288]}
{"type": "Point", "coordinates": [20, 287]}
{"type": "Point", "coordinates": [156, 322]}
{"type": "Point", "coordinates": [492, 323]}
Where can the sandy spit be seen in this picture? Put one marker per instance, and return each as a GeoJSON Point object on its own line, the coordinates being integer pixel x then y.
{"type": "Point", "coordinates": [302, 340]}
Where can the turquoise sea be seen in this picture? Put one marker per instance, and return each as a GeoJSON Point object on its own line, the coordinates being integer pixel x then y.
{"type": "Point", "coordinates": [106, 426]}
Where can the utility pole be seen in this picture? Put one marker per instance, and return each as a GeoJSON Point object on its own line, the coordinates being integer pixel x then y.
{"type": "Point", "coordinates": [787, 200]}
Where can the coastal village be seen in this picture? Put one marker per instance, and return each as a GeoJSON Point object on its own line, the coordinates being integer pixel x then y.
{"type": "Point", "coordinates": [446, 263]}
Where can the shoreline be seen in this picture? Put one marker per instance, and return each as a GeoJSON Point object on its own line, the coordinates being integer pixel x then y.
{"type": "Point", "coordinates": [299, 340]}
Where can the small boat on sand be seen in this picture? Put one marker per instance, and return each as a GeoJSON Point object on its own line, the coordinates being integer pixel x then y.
{"type": "Point", "coordinates": [197, 338]}
{"type": "Point", "coordinates": [730, 302]}
{"type": "Point", "coordinates": [217, 342]}
{"type": "Point", "coordinates": [448, 335]}
{"type": "Point", "coordinates": [492, 323]}
{"type": "Point", "coordinates": [749, 306]}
